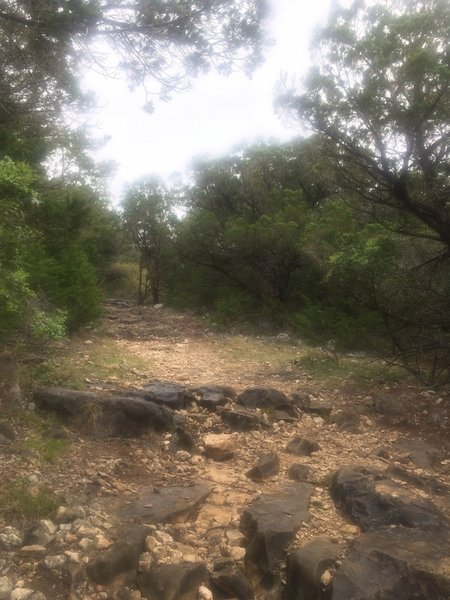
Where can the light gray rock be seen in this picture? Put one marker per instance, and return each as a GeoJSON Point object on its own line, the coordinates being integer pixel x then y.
{"type": "Point", "coordinates": [6, 588]}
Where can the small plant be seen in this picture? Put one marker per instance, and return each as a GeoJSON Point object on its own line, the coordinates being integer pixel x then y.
{"type": "Point", "coordinates": [48, 449]}
{"type": "Point", "coordinates": [19, 501]}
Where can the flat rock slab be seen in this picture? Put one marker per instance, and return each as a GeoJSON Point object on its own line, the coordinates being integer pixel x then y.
{"type": "Point", "coordinates": [266, 398]}
{"type": "Point", "coordinates": [231, 583]}
{"type": "Point", "coordinates": [173, 504]}
{"type": "Point", "coordinates": [396, 564]}
{"type": "Point", "coordinates": [373, 501]}
{"type": "Point", "coordinates": [173, 582]}
{"type": "Point", "coordinates": [167, 393]}
{"type": "Point", "coordinates": [271, 522]}
{"type": "Point", "coordinates": [417, 452]}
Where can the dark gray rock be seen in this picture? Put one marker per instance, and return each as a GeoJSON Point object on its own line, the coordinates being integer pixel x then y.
{"type": "Point", "coordinates": [270, 524]}
{"type": "Point", "coordinates": [395, 564]}
{"type": "Point", "coordinates": [372, 501]}
{"type": "Point", "coordinates": [298, 472]}
{"type": "Point", "coordinates": [306, 566]}
{"type": "Point", "coordinates": [7, 430]}
{"type": "Point", "coordinates": [169, 394]}
{"type": "Point", "coordinates": [311, 405]}
{"type": "Point", "coordinates": [119, 412]}
{"type": "Point", "coordinates": [213, 396]}
{"type": "Point", "coordinates": [173, 582]}
{"type": "Point", "coordinates": [122, 557]}
{"type": "Point", "coordinates": [348, 420]}
{"type": "Point", "coordinates": [418, 452]}
{"type": "Point", "coordinates": [301, 446]}
{"type": "Point", "coordinates": [174, 504]}
{"type": "Point", "coordinates": [230, 582]}
{"type": "Point", "coordinates": [422, 482]}
{"type": "Point", "coordinates": [241, 419]}
{"type": "Point", "coordinates": [267, 465]}
{"type": "Point", "coordinates": [266, 398]}
{"type": "Point", "coordinates": [184, 439]}
{"type": "Point", "coordinates": [392, 406]}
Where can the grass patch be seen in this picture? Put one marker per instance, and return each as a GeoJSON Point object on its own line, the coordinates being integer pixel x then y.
{"type": "Point", "coordinates": [48, 449]}
{"type": "Point", "coordinates": [258, 351]}
{"type": "Point", "coordinates": [18, 501]}
{"type": "Point", "coordinates": [321, 364]}
{"type": "Point", "coordinates": [80, 364]}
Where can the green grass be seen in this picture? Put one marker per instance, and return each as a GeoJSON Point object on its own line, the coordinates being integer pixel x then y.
{"type": "Point", "coordinates": [48, 449]}
{"type": "Point", "coordinates": [18, 501]}
{"type": "Point", "coordinates": [259, 351]}
{"type": "Point", "coordinates": [103, 360]}
{"type": "Point", "coordinates": [321, 364]}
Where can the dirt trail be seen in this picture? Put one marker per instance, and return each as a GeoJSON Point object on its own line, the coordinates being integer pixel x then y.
{"type": "Point", "coordinates": [147, 343]}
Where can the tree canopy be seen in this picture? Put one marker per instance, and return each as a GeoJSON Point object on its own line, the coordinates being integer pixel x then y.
{"type": "Point", "coordinates": [380, 95]}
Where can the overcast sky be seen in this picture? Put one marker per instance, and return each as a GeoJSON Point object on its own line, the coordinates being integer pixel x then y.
{"type": "Point", "coordinates": [214, 116]}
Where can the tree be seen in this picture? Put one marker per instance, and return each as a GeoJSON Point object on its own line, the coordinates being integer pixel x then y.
{"type": "Point", "coordinates": [147, 216]}
{"type": "Point", "coordinates": [45, 43]}
{"type": "Point", "coordinates": [380, 96]}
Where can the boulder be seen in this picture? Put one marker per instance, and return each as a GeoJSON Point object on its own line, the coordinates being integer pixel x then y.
{"type": "Point", "coordinates": [298, 472]}
{"type": "Point", "coordinates": [308, 404]}
{"type": "Point", "coordinates": [392, 406]}
{"type": "Point", "coordinates": [267, 399]}
{"type": "Point", "coordinates": [306, 566]}
{"type": "Point", "coordinates": [119, 411]}
{"type": "Point", "coordinates": [173, 582]}
{"type": "Point", "coordinates": [173, 504]}
{"type": "Point", "coordinates": [348, 420]}
{"type": "Point", "coordinates": [270, 524]}
{"type": "Point", "coordinates": [266, 466]}
{"type": "Point", "coordinates": [169, 394]}
{"type": "Point", "coordinates": [371, 501]}
{"type": "Point", "coordinates": [220, 446]}
{"type": "Point", "coordinates": [213, 396]}
{"type": "Point", "coordinates": [301, 446]}
{"type": "Point", "coordinates": [396, 564]}
{"type": "Point", "coordinates": [241, 419]}
{"type": "Point", "coordinates": [230, 582]}
{"type": "Point", "coordinates": [121, 558]}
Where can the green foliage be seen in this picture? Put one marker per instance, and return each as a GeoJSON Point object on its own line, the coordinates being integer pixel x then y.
{"type": "Point", "coordinates": [19, 501]}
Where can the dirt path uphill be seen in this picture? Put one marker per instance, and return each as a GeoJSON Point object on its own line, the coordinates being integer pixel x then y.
{"type": "Point", "coordinates": [267, 483]}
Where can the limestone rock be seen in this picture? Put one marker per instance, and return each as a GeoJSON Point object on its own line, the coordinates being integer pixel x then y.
{"type": "Point", "coordinates": [241, 419]}
{"type": "Point", "coordinates": [220, 446]}
{"type": "Point", "coordinates": [398, 563]}
{"type": "Point", "coordinates": [169, 394]}
{"type": "Point", "coordinates": [372, 501]}
{"type": "Point", "coordinates": [173, 582]}
{"type": "Point", "coordinates": [173, 504]}
{"type": "Point", "coordinates": [122, 557]}
{"type": "Point", "coordinates": [298, 472]}
{"type": "Point", "coordinates": [302, 447]}
{"type": "Point", "coordinates": [231, 581]}
{"type": "Point", "coordinates": [270, 524]}
{"type": "Point", "coordinates": [267, 465]}
{"type": "Point", "coordinates": [306, 566]}
{"type": "Point", "coordinates": [266, 398]}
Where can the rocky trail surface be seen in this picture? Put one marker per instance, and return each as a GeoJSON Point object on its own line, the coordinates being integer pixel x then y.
{"type": "Point", "coordinates": [201, 469]}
